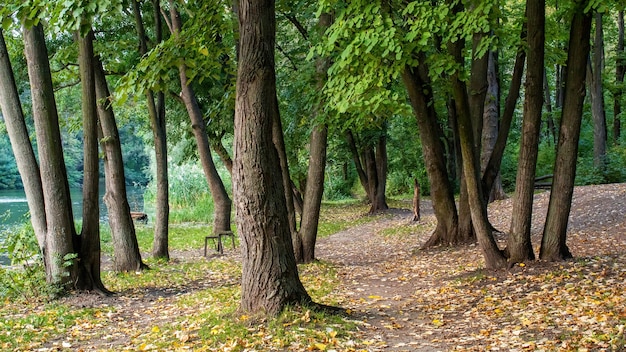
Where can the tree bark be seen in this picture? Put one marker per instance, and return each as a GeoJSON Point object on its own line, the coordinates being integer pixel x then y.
{"type": "Point", "coordinates": [620, 70]}
{"type": "Point", "coordinates": [594, 72]}
{"type": "Point", "coordinates": [221, 200]}
{"type": "Point", "coordinates": [493, 166]}
{"type": "Point", "coordinates": [553, 243]}
{"type": "Point", "coordinates": [381, 162]}
{"type": "Point", "coordinates": [491, 117]}
{"type": "Point", "coordinates": [420, 93]}
{"type": "Point", "coordinates": [89, 251]}
{"type": "Point", "coordinates": [22, 148]}
{"type": "Point", "coordinates": [156, 110]}
{"type": "Point", "coordinates": [126, 255]}
{"type": "Point", "coordinates": [519, 246]}
{"type": "Point", "coordinates": [551, 132]}
{"type": "Point", "coordinates": [279, 143]}
{"type": "Point", "coordinates": [304, 241]}
{"type": "Point", "coordinates": [270, 278]}
{"type": "Point", "coordinates": [352, 145]}
{"type": "Point", "coordinates": [313, 193]}
{"type": "Point", "coordinates": [58, 206]}
{"type": "Point", "coordinates": [471, 169]}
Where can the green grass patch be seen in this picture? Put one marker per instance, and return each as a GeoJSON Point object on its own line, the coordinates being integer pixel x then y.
{"type": "Point", "coordinates": [341, 215]}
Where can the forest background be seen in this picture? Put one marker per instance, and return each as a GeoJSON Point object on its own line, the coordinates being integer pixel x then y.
{"type": "Point", "coordinates": [334, 74]}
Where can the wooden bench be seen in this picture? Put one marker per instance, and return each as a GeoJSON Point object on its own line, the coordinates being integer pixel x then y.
{"type": "Point", "coordinates": [139, 217]}
{"type": "Point", "coordinates": [217, 237]}
{"type": "Point", "coordinates": [541, 183]}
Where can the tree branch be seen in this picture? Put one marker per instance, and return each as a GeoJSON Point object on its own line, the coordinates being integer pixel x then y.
{"type": "Point", "coordinates": [295, 67]}
{"type": "Point", "coordinates": [298, 25]}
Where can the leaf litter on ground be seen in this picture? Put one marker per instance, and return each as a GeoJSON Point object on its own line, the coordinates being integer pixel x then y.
{"type": "Point", "coordinates": [398, 298]}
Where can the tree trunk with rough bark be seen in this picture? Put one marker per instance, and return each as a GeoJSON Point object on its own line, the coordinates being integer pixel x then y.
{"type": "Point", "coordinates": [21, 145]}
{"type": "Point", "coordinates": [89, 251]}
{"type": "Point", "coordinates": [221, 200]}
{"type": "Point", "coordinates": [493, 166]}
{"type": "Point", "coordinates": [126, 255]}
{"type": "Point", "coordinates": [551, 128]}
{"type": "Point", "coordinates": [270, 278]}
{"type": "Point", "coordinates": [620, 70]}
{"type": "Point", "coordinates": [471, 166]}
{"type": "Point", "coordinates": [519, 246]}
{"type": "Point", "coordinates": [58, 205]}
{"type": "Point", "coordinates": [310, 205]}
{"type": "Point", "coordinates": [420, 93]}
{"type": "Point", "coordinates": [553, 243]}
{"type": "Point", "coordinates": [313, 193]}
{"type": "Point", "coordinates": [156, 111]}
{"type": "Point", "coordinates": [491, 118]}
{"type": "Point", "coordinates": [594, 77]}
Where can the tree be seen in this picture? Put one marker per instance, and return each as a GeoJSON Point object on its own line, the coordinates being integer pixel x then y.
{"type": "Point", "coordinates": [270, 278]}
{"type": "Point", "coordinates": [90, 231]}
{"type": "Point", "coordinates": [519, 246]}
{"type": "Point", "coordinates": [595, 67]}
{"type": "Point", "coordinates": [221, 200]}
{"type": "Point", "coordinates": [58, 244]}
{"type": "Point", "coordinates": [620, 70]}
{"type": "Point", "coordinates": [20, 143]}
{"type": "Point", "coordinates": [156, 110]}
{"type": "Point", "coordinates": [125, 247]}
{"type": "Point", "coordinates": [491, 118]}
{"type": "Point", "coordinates": [553, 243]}
{"type": "Point", "coordinates": [467, 119]}
{"type": "Point", "coordinates": [421, 96]}
{"type": "Point", "coordinates": [370, 159]}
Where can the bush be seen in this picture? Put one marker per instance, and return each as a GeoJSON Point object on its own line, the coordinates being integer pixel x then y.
{"type": "Point", "coordinates": [26, 277]}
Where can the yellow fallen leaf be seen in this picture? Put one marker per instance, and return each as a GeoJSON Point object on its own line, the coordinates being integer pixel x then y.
{"type": "Point", "coordinates": [155, 329]}
{"type": "Point", "coordinates": [320, 346]}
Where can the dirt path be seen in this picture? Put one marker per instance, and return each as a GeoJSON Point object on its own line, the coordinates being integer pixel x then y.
{"type": "Point", "coordinates": [410, 300]}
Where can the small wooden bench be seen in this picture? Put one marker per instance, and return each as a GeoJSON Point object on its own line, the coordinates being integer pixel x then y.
{"type": "Point", "coordinates": [139, 217]}
{"type": "Point", "coordinates": [217, 237]}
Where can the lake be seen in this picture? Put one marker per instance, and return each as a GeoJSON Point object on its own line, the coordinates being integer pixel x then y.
{"type": "Point", "coordinates": [14, 208]}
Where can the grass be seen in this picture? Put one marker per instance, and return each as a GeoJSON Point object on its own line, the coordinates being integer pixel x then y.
{"type": "Point", "coordinates": [192, 304]}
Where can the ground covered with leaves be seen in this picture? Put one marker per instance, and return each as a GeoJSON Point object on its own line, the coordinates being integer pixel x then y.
{"type": "Point", "coordinates": [399, 298]}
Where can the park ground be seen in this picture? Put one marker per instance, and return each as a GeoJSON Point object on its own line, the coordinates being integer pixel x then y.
{"type": "Point", "coordinates": [397, 297]}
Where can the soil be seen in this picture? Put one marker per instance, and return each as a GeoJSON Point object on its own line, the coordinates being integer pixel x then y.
{"type": "Point", "coordinates": [401, 297]}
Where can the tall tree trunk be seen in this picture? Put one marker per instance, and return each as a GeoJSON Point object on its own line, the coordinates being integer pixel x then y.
{"type": "Point", "coordinates": [56, 192]}
{"type": "Point", "coordinates": [279, 144]}
{"type": "Point", "coordinates": [594, 71]}
{"type": "Point", "coordinates": [126, 255]}
{"type": "Point", "coordinates": [620, 70]}
{"type": "Point", "coordinates": [270, 278]}
{"type": "Point", "coordinates": [519, 246]}
{"type": "Point", "coordinates": [381, 162]}
{"type": "Point", "coordinates": [493, 166]}
{"type": "Point", "coordinates": [221, 151]}
{"type": "Point", "coordinates": [89, 251]}
{"type": "Point", "coordinates": [360, 170]}
{"type": "Point", "coordinates": [156, 110]}
{"type": "Point", "coordinates": [491, 117]}
{"type": "Point", "coordinates": [20, 143]}
{"type": "Point", "coordinates": [313, 193]}
{"type": "Point", "coordinates": [420, 93]}
{"type": "Point", "coordinates": [314, 183]}
{"type": "Point", "coordinates": [471, 168]}
{"type": "Point", "coordinates": [553, 243]}
{"type": "Point", "coordinates": [221, 200]}
{"type": "Point", "coordinates": [551, 132]}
